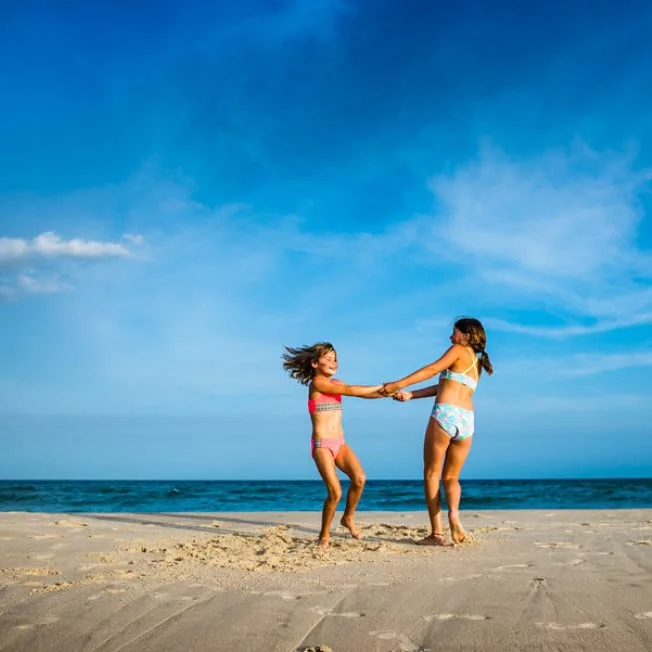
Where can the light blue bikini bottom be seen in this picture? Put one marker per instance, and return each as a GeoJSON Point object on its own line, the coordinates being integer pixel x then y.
{"type": "Point", "coordinates": [455, 421]}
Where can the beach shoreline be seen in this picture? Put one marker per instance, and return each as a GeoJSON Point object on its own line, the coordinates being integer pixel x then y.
{"type": "Point", "coordinates": [526, 579]}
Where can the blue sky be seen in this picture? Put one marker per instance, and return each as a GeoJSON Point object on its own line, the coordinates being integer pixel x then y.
{"type": "Point", "coordinates": [187, 187]}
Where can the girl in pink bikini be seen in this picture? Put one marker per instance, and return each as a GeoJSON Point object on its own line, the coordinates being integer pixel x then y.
{"type": "Point", "coordinates": [450, 428]}
{"type": "Point", "coordinates": [315, 366]}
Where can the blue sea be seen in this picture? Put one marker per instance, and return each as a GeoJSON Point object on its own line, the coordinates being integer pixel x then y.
{"type": "Point", "coordinates": [254, 496]}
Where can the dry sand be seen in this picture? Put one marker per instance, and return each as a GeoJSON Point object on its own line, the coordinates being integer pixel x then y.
{"type": "Point", "coordinates": [525, 580]}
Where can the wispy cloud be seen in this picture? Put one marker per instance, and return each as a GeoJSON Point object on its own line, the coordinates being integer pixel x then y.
{"type": "Point", "coordinates": [32, 266]}
{"type": "Point", "coordinates": [29, 282]}
{"type": "Point", "coordinates": [31, 285]}
{"type": "Point", "coordinates": [589, 365]}
{"type": "Point", "coordinates": [605, 326]}
{"type": "Point", "coordinates": [572, 365]}
{"type": "Point", "coordinates": [559, 231]}
{"type": "Point", "coordinates": [50, 245]}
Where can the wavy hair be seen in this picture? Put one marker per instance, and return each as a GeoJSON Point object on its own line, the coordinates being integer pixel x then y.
{"type": "Point", "coordinates": [298, 362]}
{"type": "Point", "coordinates": [477, 340]}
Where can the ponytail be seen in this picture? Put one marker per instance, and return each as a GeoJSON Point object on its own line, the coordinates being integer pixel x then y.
{"type": "Point", "coordinates": [485, 362]}
{"type": "Point", "coordinates": [477, 340]}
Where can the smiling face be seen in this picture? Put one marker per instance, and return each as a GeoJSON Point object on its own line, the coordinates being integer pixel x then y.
{"type": "Point", "coordinates": [459, 338]}
{"type": "Point", "coordinates": [326, 365]}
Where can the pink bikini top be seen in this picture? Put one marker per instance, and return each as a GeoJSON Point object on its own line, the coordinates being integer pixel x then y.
{"type": "Point", "coordinates": [325, 403]}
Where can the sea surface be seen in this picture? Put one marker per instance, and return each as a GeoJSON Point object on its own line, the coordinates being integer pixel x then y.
{"type": "Point", "coordinates": [308, 495]}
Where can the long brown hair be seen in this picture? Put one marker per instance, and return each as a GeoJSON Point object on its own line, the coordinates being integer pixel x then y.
{"type": "Point", "coordinates": [298, 362]}
{"type": "Point", "coordinates": [477, 340]}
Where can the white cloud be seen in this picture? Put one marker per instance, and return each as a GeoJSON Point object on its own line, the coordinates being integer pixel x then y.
{"type": "Point", "coordinates": [589, 365]}
{"type": "Point", "coordinates": [226, 287]}
{"type": "Point", "coordinates": [28, 264]}
{"type": "Point", "coordinates": [641, 319]}
{"type": "Point", "coordinates": [30, 284]}
{"type": "Point", "coordinates": [559, 216]}
{"type": "Point", "coordinates": [577, 364]}
{"type": "Point", "coordinates": [558, 233]}
{"type": "Point", "coordinates": [51, 245]}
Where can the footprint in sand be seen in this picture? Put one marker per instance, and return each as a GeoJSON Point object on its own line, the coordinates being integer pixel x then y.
{"type": "Point", "coordinates": [510, 566]}
{"type": "Point", "coordinates": [403, 642]}
{"type": "Point", "coordinates": [49, 620]}
{"type": "Point", "coordinates": [560, 627]}
{"type": "Point", "coordinates": [32, 572]}
{"type": "Point", "coordinates": [453, 580]}
{"type": "Point", "coordinates": [559, 545]}
{"type": "Point", "coordinates": [50, 588]}
{"type": "Point", "coordinates": [476, 617]}
{"type": "Point", "coordinates": [88, 567]}
{"type": "Point", "coordinates": [43, 557]}
{"type": "Point", "coordinates": [644, 615]}
{"type": "Point", "coordinates": [643, 542]}
{"type": "Point", "coordinates": [325, 611]}
{"type": "Point", "coordinates": [284, 595]}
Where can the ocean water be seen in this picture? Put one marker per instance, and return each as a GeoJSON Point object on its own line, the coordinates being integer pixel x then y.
{"type": "Point", "coordinates": [254, 496]}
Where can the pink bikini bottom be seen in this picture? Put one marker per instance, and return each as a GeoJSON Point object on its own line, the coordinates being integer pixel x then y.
{"type": "Point", "coordinates": [333, 445]}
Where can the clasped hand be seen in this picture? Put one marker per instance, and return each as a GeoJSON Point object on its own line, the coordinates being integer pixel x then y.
{"type": "Point", "coordinates": [391, 390]}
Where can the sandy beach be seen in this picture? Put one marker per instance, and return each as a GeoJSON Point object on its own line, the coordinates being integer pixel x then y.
{"type": "Point", "coordinates": [524, 580]}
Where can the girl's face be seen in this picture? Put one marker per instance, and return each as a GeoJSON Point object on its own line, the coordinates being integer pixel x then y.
{"type": "Point", "coordinates": [327, 364]}
{"type": "Point", "coordinates": [459, 338]}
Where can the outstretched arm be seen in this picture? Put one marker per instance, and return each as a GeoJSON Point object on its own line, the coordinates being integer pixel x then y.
{"type": "Point", "coordinates": [329, 386]}
{"type": "Point", "coordinates": [425, 392]}
{"type": "Point", "coordinates": [447, 360]}
{"type": "Point", "coordinates": [376, 394]}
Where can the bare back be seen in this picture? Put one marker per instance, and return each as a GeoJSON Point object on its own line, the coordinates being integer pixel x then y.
{"type": "Point", "coordinates": [450, 390]}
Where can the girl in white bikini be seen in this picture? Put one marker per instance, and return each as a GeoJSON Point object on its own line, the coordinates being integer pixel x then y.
{"type": "Point", "coordinates": [450, 429]}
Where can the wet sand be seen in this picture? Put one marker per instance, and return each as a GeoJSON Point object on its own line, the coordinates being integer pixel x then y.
{"type": "Point", "coordinates": [523, 580]}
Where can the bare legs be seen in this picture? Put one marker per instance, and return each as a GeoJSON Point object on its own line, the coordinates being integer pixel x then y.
{"type": "Point", "coordinates": [348, 463]}
{"type": "Point", "coordinates": [435, 445]}
{"type": "Point", "coordinates": [443, 460]}
{"type": "Point", "coordinates": [455, 457]}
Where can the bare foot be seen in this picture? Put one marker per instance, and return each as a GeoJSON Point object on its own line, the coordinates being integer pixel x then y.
{"type": "Point", "coordinates": [457, 531]}
{"type": "Point", "coordinates": [322, 543]}
{"type": "Point", "coordinates": [348, 523]}
{"type": "Point", "coordinates": [433, 540]}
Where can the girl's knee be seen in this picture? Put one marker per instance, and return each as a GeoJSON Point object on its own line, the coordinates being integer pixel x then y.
{"type": "Point", "coordinates": [334, 494]}
{"type": "Point", "coordinates": [358, 481]}
{"type": "Point", "coordinates": [450, 480]}
{"type": "Point", "coordinates": [430, 472]}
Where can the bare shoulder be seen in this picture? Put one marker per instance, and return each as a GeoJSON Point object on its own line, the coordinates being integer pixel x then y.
{"type": "Point", "coordinates": [456, 353]}
{"type": "Point", "coordinates": [455, 350]}
{"type": "Point", "coordinates": [323, 385]}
